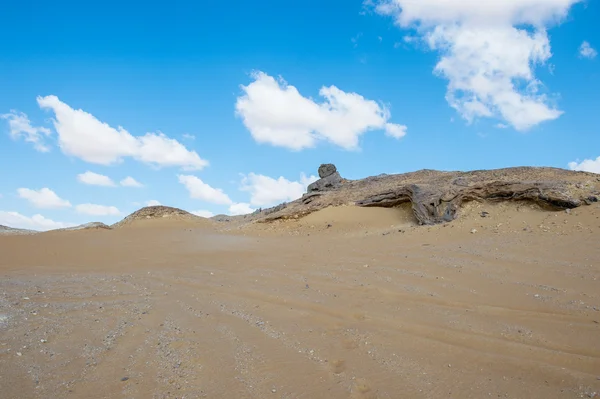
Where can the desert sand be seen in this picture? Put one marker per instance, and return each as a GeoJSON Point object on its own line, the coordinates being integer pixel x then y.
{"type": "Point", "coordinates": [346, 302]}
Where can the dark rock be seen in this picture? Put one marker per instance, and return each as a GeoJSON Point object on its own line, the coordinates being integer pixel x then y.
{"type": "Point", "coordinates": [275, 209]}
{"type": "Point", "coordinates": [330, 182]}
{"type": "Point", "coordinates": [591, 199]}
{"type": "Point", "coordinates": [432, 203]}
{"type": "Point", "coordinates": [326, 169]}
{"type": "Point", "coordinates": [484, 214]}
{"type": "Point", "coordinates": [124, 378]}
{"type": "Point", "coordinates": [310, 197]}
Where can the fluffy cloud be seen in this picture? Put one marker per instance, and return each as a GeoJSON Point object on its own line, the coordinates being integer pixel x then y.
{"type": "Point", "coordinates": [20, 127]}
{"type": "Point", "coordinates": [240, 208]}
{"type": "Point", "coordinates": [153, 203]}
{"type": "Point", "coordinates": [130, 182]}
{"type": "Point", "coordinates": [276, 113]}
{"type": "Point", "coordinates": [95, 179]}
{"type": "Point", "coordinates": [83, 136]}
{"type": "Point", "coordinates": [204, 214]}
{"type": "Point", "coordinates": [202, 191]}
{"type": "Point", "coordinates": [44, 198]}
{"type": "Point", "coordinates": [485, 53]}
{"type": "Point", "coordinates": [266, 191]}
{"type": "Point", "coordinates": [35, 222]}
{"type": "Point", "coordinates": [587, 165]}
{"type": "Point", "coordinates": [97, 210]}
{"type": "Point", "coordinates": [587, 51]}
{"type": "Point", "coordinates": [395, 131]}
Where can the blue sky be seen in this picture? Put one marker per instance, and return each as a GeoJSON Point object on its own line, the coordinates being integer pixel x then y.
{"type": "Point", "coordinates": [225, 108]}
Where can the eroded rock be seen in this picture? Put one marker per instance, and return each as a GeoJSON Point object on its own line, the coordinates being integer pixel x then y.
{"type": "Point", "coordinates": [330, 182]}
{"type": "Point", "coordinates": [437, 196]}
{"type": "Point", "coordinates": [434, 204]}
{"type": "Point", "coordinates": [326, 169]}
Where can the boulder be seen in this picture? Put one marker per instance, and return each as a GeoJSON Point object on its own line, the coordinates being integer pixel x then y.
{"type": "Point", "coordinates": [330, 182]}
{"type": "Point", "coordinates": [326, 170]}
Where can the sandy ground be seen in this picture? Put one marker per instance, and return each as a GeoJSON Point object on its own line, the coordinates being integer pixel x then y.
{"type": "Point", "coordinates": [346, 303]}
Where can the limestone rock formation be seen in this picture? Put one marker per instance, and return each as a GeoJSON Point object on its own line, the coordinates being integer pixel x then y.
{"type": "Point", "coordinates": [434, 204]}
{"type": "Point", "coordinates": [326, 169]}
{"type": "Point", "coordinates": [330, 182]}
{"type": "Point", "coordinates": [330, 179]}
{"type": "Point", "coordinates": [437, 196]}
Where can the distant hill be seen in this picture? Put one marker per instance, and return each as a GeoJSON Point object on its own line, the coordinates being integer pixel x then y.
{"type": "Point", "coordinates": [5, 230]}
{"type": "Point", "coordinates": [87, 226]}
{"type": "Point", "coordinates": [159, 212]}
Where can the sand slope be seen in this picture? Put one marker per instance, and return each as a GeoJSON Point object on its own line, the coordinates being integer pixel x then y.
{"type": "Point", "coordinates": [356, 310]}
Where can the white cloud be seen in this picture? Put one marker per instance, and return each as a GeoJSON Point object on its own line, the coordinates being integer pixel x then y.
{"type": "Point", "coordinates": [204, 214]}
{"type": "Point", "coordinates": [83, 136]}
{"type": "Point", "coordinates": [44, 198]}
{"type": "Point", "coordinates": [20, 127]}
{"type": "Point", "coordinates": [97, 210]}
{"type": "Point", "coordinates": [153, 203]}
{"type": "Point", "coordinates": [487, 60]}
{"type": "Point", "coordinates": [240, 208]}
{"type": "Point", "coordinates": [202, 191]}
{"type": "Point", "coordinates": [587, 165]}
{"type": "Point", "coordinates": [587, 51]}
{"type": "Point", "coordinates": [502, 126]}
{"type": "Point", "coordinates": [95, 179]}
{"type": "Point", "coordinates": [395, 131]}
{"type": "Point", "coordinates": [188, 136]}
{"type": "Point", "coordinates": [266, 191]}
{"type": "Point", "coordinates": [130, 182]}
{"type": "Point", "coordinates": [36, 222]}
{"type": "Point", "coordinates": [276, 113]}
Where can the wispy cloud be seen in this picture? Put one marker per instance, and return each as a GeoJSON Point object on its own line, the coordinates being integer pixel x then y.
{"type": "Point", "coordinates": [587, 51]}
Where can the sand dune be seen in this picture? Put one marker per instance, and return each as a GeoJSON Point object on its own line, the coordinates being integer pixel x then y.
{"type": "Point", "coordinates": [353, 217]}
{"type": "Point", "coordinates": [497, 304]}
{"type": "Point", "coordinates": [168, 223]}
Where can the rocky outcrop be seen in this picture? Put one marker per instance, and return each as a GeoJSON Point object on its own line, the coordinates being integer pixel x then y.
{"type": "Point", "coordinates": [327, 169]}
{"type": "Point", "coordinates": [434, 204]}
{"type": "Point", "coordinates": [330, 179]}
{"type": "Point", "coordinates": [330, 182]}
{"type": "Point", "coordinates": [437, 197]}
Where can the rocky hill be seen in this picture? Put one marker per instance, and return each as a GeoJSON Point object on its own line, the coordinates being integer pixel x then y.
{"type": "Point", "coordinates": [157, 212]}
{"type": "Point", "coordinates": [437, 197]}
{"type": "Point", "coordinates": [87, 226]}
{"type": "Point", "coordinates": [5, 230]}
